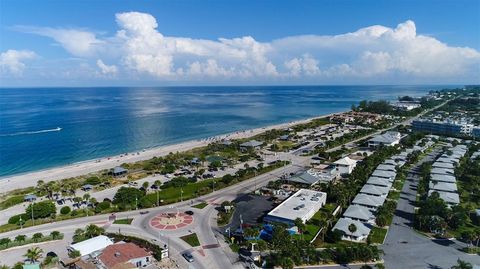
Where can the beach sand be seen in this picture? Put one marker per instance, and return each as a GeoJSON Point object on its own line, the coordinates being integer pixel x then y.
{"type": "Point", "coordinates": [29, 179]}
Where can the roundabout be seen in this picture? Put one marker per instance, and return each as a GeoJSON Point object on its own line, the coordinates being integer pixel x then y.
{"type": "Point", "coordinates": [171, 221]}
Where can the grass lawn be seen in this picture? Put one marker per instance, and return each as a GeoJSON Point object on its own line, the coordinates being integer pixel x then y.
{"type": "Point", "coordinates": [398, 185]}
{"type": "Point", "coordinates": [394, 195]}
{"type": "Point", "coordinates": [127, 221]}
{"type": "Point", "coordinates": [377, 235]}
{"type": "Point", "coordinates": [200, 206]}
{"type": "Point", "coordinates": [191, 239]}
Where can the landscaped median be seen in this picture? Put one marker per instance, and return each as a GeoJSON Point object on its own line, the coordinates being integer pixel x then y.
{"type": "Point", "coordinates": [191, 239]}
{"type": "Point", "coordinates": [22, 240]}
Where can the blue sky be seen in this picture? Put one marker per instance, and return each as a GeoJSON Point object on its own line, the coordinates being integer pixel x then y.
{"type": "Point", "coordinates": [104, 43]}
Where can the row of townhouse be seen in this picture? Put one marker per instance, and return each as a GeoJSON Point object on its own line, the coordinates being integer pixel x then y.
{"type": "Point", "coordinates": [442, 175]}
{"type": "Point", "coordinates": [373, 194]}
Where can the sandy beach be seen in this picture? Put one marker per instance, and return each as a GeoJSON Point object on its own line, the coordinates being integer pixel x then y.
{"type": "Point", "coordinates": [29, 179]}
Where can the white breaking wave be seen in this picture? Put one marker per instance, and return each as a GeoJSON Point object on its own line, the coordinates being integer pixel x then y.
{"type": "Point", "coordinates": [58, 129]}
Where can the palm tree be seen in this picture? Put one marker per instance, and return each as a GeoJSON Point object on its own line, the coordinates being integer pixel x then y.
{"type": "Point", "coordinates": [34, 254]}
{"type": "Point", "coordinates": [352, 228]}
{"type": "Point", "coordinates": [20, 238]}
{"type": "Point", "coordinates": [462, 265]}
{"type": "Point", "coordinates": [93, 230]}
{"type": "Point", "coordinates": [36, 236]}
{"type": "Point", "coordinates": [55, 234]}
{"type": "Point", "coordinates": [5, 241]}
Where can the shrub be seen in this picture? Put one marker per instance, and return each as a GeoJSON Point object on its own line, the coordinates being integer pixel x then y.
{"type": "Point", "coordinates": [16, 219]}
{"type": "Point", "coordinates": [65, 210]}
{"type": "Point", "coordinates": [41, 209]}
{"type": "Point", "coordinates": [74, 213]}
{"type": "Point", "coordinates": [92, 181]}
{"type": "Point", "coordinates": [102, 206]}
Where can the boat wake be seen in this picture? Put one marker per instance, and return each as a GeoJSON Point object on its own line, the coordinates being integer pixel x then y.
{"type": "Point", "coordinates": [58, 129]}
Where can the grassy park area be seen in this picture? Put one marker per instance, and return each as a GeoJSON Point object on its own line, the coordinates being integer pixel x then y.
{"type": "Point", "coordinates": [191, 239]}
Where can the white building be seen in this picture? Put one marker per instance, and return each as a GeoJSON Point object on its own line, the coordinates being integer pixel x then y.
{"type": "Point", "coordinates": [406, 106]}
{"type": "Point", "coordinates": [389, 138]}
{"type": "Point", "coordinates": [92, 245]}
{"type": "Point", "coordinates": [303, 204]}
{"type": "Point", "coordinates": [345, 165]}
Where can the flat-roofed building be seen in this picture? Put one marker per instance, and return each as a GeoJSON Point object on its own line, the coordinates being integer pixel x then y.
{"type": "Point", "coordinates": [303, 204]}
{"type": "Point", "coordinates": [360, 234]}
{"type": "Point", "coordinates": [89, 246]}
{"type": "Point", "coordinates": [389, 138]}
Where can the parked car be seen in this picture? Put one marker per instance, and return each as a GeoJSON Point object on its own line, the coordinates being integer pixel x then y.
{"type": "Point", "coordinates": [188, 257]}
{"type": "Point", "coordinates": [189, 212]}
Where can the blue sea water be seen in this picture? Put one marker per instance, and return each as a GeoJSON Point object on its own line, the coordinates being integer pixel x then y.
{"type": "Point", "coordinates": [99, 122]}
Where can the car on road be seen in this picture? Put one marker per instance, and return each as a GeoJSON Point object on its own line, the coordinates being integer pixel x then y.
{"type": "Point", "coordinates": [189, 212]}
{"type": "Point", "coordinates": [188, 257]}
{"type": "Point", "coordinates": [144, 212]}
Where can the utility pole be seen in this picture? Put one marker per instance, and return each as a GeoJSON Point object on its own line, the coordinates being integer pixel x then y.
{"type": "Point", "coordinates": [158, 201]}
{"type": "Point", "coordinates": [33, 218]}
{"type": "Point", "coordinates": [181, 194]}
{"type": "Point", "coordinates": [136, 203]}
{"type": "Point", "coordinates": [21, 222]}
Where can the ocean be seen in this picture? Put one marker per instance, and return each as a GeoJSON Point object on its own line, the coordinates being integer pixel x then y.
{"type": "Point", "coordinates": [42, 128]}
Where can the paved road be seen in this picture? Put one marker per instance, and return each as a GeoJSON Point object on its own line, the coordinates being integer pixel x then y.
{"type": "Point", "coordinates": [405, 248]}
{"type": "Point", "coordinates": [204, 224]}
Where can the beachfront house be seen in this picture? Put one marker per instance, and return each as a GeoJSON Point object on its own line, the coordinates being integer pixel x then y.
{"type": "Point", "coordinates": [29, 198]}
{"type": "Point", "coordinates": [119, 171]}
{"type": "Point", "coordinates": [345, 165]}
{"type": "Point", "coordinates": [252, 144]}
{"type": "Point", "coordinates": [389, 138]}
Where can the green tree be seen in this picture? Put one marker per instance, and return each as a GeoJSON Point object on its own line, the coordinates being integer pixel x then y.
{"type": "Point", "coordinates": [127, 196]}
{"type": "Point", "coordinates": [73, 254]}
{"type": "Point", "coordinates": [93, 230]}
{"type": "Point", "coordinates": [5, 241]}
{"type": "Point", "coordinates": [20, 238]}
{"type": "Point", "coordinates": [34, 254]}
{"type": "Point", "coordinates": [37, 236]}
{"type": "Point", "coordinates": [462, 265]}
{"type": "Point", "coordinates": [42, 209]}
{"type": "Point", "coordinates": [55, 234]}
{"type": "Point", "coordinates": [65, 210]}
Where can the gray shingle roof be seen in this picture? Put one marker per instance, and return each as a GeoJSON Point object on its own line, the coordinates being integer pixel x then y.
{"type": "Point", "coordinates": [448, 197]}
{"type": "Point", "coordinates": [385, 174]}
{"type": "Point", "coordinates": [359, 212]}
{"type": "Point", "coordinates": [387, 167]}
{"type": "Point", "coordinates": [374, 190]}
{"type": "Point", "coordinates": [443, 178]}
{"type": "Point", "coordinates": [251, 143]}
{"type": "Point", "coordinates": [343, 223]}
{"type": "Point", "coordinates": [304, 178]}
{"type": "Point", "coordinates": [443, 186]}
{"type": "Point", "coordinates": [368, 200]}
{"type": "Point", "coordinates": [379, 181]}
{"type": "Point", "coordinates": [443, 165]}
{"type": "Point", "coordinates": [442, 171]}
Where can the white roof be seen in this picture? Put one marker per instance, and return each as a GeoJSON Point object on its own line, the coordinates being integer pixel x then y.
{"type": "Point", "coordinates": [91, 245]}
{"type": "Point", "coordinates": [345, 161]}
{"type": "Point", "coordinates": [299, 204]}
{"type": "Point", "coordinates": [443, 165]}
{"type": "Point", "coordinates": [387, 138]}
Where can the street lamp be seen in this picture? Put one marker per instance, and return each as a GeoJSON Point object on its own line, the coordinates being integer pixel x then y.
{"type": "Point", "coordinates": [33, 218]}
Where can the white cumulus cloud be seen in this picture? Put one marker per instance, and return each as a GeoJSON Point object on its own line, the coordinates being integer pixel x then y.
{"type": "Point", "coordinates": [107, 70]}
{"type": "Point", "coordinates": [12, 61]}
{"type": "Point", "coordinates": [372, 53]}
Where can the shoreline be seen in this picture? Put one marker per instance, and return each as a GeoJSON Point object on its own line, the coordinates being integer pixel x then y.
{"type": "Point", "coordinates": [30, 179]}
